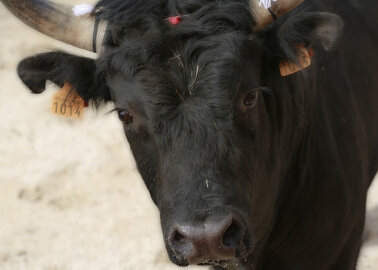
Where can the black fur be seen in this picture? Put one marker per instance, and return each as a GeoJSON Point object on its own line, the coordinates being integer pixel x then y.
{"type": "Point", "coordinates": [295, 168]}
{"type": "Point", "coordinates": [60, 67]}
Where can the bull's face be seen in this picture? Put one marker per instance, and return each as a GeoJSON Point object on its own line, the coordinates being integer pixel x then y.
{"type": "Point", "coordinates": [201, 110]}
{"type": "Point", "coordinates": [194, 124]}
{"type": "Point", "coordinates": [203, 120]}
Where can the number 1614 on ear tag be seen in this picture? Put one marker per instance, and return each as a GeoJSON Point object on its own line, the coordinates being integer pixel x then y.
{"type": "Point", "coordinates": [68, 103]}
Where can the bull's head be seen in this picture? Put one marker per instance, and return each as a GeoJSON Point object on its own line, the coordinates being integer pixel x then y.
{"type": "Point", "coordinates": [212, 135]}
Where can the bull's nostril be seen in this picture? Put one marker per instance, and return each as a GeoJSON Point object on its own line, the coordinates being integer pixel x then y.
{"type": "Point", "coordinates": [233, 235]}
{"type": "Point", "coordinates": [178, 237]}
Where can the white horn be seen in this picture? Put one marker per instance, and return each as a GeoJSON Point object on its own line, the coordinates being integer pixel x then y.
{"type": "Point", "coordinates": [59, 22]}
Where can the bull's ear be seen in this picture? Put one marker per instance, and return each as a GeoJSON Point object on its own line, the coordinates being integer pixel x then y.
{"type": "Point", "coordinates": [308, 28]}
{"type": "Point", "coordinates": [59, 68]}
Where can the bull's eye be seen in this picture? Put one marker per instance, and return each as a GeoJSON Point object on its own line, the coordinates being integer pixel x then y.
{"type": "Point", "coordinates": [250, 100]}
{"type": "Point", "coordinates": [126, 117]}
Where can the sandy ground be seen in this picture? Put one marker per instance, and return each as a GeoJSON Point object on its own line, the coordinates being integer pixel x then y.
{"type": "Point", "coordinates": [70, 196]}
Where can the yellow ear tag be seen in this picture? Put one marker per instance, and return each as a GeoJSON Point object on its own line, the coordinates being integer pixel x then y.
{"type": "Point", "coordinates": [287, 68]}
{"type": "Point", "coordinates": [68, 103]}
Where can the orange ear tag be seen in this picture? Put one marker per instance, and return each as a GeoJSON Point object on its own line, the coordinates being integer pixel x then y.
{"type": "Point", "coordinates": [68, 103]}
{"type": "Point", "coordinates": [287, 68]}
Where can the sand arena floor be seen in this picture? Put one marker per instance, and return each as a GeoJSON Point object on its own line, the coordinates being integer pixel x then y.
{"type": "Point", "coordinates": [70, 196]}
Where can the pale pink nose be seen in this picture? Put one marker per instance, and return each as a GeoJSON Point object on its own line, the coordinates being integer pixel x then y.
{"type": "Point", "coordinates": [217, 239]}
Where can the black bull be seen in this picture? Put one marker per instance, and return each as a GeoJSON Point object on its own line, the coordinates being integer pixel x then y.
{"type": "Point", "coordinates": [249, 169]}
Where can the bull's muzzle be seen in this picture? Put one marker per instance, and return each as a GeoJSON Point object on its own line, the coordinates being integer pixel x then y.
{"type": "Point", "coordinates": [218, 239]}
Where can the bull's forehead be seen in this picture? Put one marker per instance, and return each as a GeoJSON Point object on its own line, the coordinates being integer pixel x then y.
{"type": "Point", "coordinates": [187, 99]}
{"type": "Point", "coordinates": [200, 74]}
{"type": "Point", "coordinates": [187, 91]}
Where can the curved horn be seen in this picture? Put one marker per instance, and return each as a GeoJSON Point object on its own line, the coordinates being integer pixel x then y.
{"type": "Point", "coordinates": [58, 21]}
{"type": "Point", "coordinates": [264, 16]}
